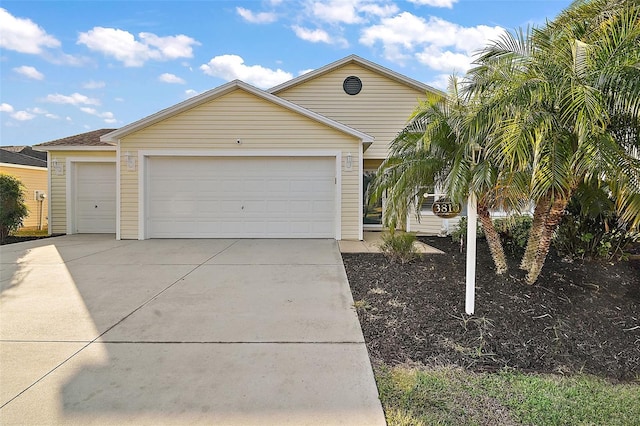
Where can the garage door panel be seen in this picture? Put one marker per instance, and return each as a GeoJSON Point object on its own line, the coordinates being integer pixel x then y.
{"type": "Point", "coordinates": [252, 197]}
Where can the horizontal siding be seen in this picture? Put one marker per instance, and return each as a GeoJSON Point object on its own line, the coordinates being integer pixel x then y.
{"type": "Point", "coordinates": [259, 125]}
{"type": "Point", "coordinates": [33, 180]}
{"type": "Point", "coordinates": [381, 109]}
{"type": "Point", "coordinates": [430, 224]}
{"type": "Point", "coordinates": [58, 214]}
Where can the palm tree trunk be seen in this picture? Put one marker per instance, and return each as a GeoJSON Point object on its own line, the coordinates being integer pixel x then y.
{"type": "Point", "coordinates": [493, 239]}
{"type": "Point", "coordinates": [553, 219]}
{"type": "Point", "coordinates": [539, 218]}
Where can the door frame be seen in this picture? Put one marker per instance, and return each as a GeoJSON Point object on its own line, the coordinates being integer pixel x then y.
{"type": "Point", "coordinates": [71, 185]}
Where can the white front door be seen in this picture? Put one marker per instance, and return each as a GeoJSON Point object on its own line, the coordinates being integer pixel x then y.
{"type": "Point", "coordinates": [95, 198]}
{"type": "Point", "coordinates": [241, 197]}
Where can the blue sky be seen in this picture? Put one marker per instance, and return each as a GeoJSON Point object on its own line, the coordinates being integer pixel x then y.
{"type": "Point", "coordinates": [68, 67]}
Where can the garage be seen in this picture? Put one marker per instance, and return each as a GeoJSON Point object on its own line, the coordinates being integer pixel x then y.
{"type": "Point", "coordinates": [95, 198]}
{"type": "Point", "coordinates": [241, 197]}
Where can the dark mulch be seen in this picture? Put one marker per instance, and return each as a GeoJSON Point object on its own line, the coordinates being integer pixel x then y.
{"type": "Point", "coordinates": [12, 239]}
{"type": "Point", "coordinates": [581, 316]}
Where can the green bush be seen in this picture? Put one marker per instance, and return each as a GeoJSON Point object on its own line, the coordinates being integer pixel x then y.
{"type": "Point", "coordinates": [580, 236]}
{"type": "Point", "coordinates": [460, 231]}
{"type": "Point", "coordinates": [399, 246]}
{"type": "Point", "coordinates": [13, 209]}
{"type": "Point", "coordinates": [590, 226]}
{"type": "Point", "coordinates": [514, 230]}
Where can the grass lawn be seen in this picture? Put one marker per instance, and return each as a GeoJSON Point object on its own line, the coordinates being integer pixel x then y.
{"type": "Point", "coordinates": [453, 396]}
{"type": "Point", "coordinates": [32, 233]}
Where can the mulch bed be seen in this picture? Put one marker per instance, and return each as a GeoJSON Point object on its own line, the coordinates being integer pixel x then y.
{"type": "Point", "coordinates": [12, 239]}
{"type": "Point", "coordinates": [581, 316]}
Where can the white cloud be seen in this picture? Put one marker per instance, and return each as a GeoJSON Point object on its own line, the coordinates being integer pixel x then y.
{"type": "Point", "coordinates": [305, 71]}
{"type": "Point", "coordinates": [444, 45]}
{"type": "Point", "coordinates": [318, 36]}
{"type": "Point", "coordinates": [190, 93]}
{"type": "Point", "coordinates": [441, 81]}
{"type": "Point", "coordinates": [170, 78]}
{"type": "Point", "coordinates": [256, 18]}
{"type": "Point", "coordinates": [107, 116]}
{"type": "Point", "coordinates": [230, 67]}
{"type": "Point", "coordinates": [23, 35]}
{"type": "Point", "coordinates": [37, 110]}
{"type": "Point", "coordinates": [93, 84]}
{"type": "Point", "coordinates": [379, 10]}
{"type": "Point", "coordinates": [124, 47]}
{"type": "Point", "coordinates": [435, 3]}
{"type": "Point", "coordinates": [445, 60]}
{"type": "Point", "coordinates": [73, 99]}
{"type": "Point", "coordinates": [22, 116]}
{"type": "Point", "coordinates": [337, 11]}
{"type": "Point", "coordinates": [52, 116]}
{"type": "Point", "coordinates": [4, 107]}
{"type": "Point", "coordinates": [29, 72]}
{"type": "Point", "coordinates": [314, 36]}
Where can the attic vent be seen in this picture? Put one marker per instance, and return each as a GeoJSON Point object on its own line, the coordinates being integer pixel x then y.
{"type": "Point", "coordinates": [352, 85]}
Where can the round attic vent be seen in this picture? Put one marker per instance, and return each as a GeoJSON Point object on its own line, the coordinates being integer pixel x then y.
{"type": "Point", "coordinates": [352, 85]}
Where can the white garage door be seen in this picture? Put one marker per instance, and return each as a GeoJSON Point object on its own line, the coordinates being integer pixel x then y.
{"type": "Point", "coordinates": [241, 197]}
{"type": "Point", "coordinates": [95, 198]}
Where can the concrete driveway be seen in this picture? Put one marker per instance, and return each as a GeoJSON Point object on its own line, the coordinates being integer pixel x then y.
{"type": "Point", "coordinates": [98, 331]}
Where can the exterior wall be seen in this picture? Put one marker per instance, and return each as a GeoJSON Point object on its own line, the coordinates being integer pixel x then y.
{"type": "Point", "coordinates": [430, 224]}
{"type": "Point", "coordinates": [381, 109]}
{"type": "Point", "coordinates": [218, 125]}
{"type": "Point", "coordinates": [58, 190]}
{"type": "Point", "coordinates": [33, 178]}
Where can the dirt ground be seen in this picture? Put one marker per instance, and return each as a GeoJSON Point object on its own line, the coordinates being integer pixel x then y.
{"type": "Point", "coordinates": [581, 316]}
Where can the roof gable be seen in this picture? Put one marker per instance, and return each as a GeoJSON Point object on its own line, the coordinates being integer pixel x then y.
{"type": "Point", "coordinates": [210, 95]}
{"type": "Point", "coordinates": [362, 62]}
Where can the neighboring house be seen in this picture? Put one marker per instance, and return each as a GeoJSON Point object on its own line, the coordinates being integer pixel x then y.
{"type": "Point", "coordinates": [30, 167]}
{"type": "Point", "coordinates": [238, 161]}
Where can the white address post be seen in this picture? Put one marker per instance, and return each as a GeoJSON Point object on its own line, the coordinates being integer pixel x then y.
{"type": "Point", "coordinates": [472, 220]}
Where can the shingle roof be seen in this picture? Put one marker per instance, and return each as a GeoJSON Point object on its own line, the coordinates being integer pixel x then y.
{"type": "Point", "coordinates": [28, 151]}
{"type": "Point", "coordinates": [11, 157]}
{"type": "Point", "coordinates": [83, 139]}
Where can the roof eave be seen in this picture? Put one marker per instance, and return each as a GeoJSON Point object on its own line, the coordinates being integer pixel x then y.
{"type": "Point", "coordinates": [79, 148]}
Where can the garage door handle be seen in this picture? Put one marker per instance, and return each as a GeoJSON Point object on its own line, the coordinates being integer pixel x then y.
{"type": "Point", "coordinates": [96, 206]}
{"type": "Point", "coordinates": [242, 208]}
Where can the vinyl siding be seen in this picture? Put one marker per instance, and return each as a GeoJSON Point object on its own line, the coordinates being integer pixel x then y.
{"type": "Point", "coordinates": [259, 125]}
{"type": "Point", "coordinates": [58, 216]}
{"type": "Point", "coordinates": [430, 224]}
{"type": "Point", "coordinates": [33, 178]}
{"type": "Point", "coordinates": [381, 109]}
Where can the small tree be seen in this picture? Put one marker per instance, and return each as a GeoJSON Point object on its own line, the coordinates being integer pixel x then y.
{"type": "Point", "coordinates": [13, 210]}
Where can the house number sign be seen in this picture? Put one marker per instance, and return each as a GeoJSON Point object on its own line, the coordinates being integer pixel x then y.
{"type": "Point", "coordinates": [445, 208]}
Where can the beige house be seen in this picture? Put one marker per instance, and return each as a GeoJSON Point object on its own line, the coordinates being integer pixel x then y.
{"type": "Point", "coordinates": [21, 163]}
{"type": "Point", "coordinates": [237, 161]}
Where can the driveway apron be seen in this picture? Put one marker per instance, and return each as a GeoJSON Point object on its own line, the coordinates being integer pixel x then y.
{"type": "Point", "coordinates": [212, 331]}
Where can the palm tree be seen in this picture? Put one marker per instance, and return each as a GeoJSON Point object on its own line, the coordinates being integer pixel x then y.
{"type": "Point", "coordinates": [437, 150]}
{"type": "Point", "coordinates": [566, 100]}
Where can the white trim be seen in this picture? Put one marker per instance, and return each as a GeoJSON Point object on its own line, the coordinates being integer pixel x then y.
{"type": "Point", "coordinates": [20, 166]}
{"type": "Point", "coordinates": [70, 173]}
{"type": "Point", "coordinates": [223, 90]}
{"type": "Point", "coordinates": [360, 194]}
{"type": "Point", "coordinates": [118, 194]}
{"type": "Point", "coordinates": [49, 211]}
{"type": "Point", "coordinates": [78, 148]}
{"type": "Point", "coordinates": [143, 174]}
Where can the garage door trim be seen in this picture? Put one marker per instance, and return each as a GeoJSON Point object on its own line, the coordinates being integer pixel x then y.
{"type": "Point", "coordinates": [70, 168]}
{"type": "Point", "coordinates": [143, 156]}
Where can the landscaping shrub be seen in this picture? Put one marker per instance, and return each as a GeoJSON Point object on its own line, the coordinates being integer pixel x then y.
{"type": "Point", "coordinates": [13, 210]}
{"type": "Point", "coordinates": [399, 246]}
{"type": "Point", "coordinates": [590, 227]}
{"type": "Point", "coordinates": [460, 231]}
{"type": "Point", "coordinates": [514, 230]}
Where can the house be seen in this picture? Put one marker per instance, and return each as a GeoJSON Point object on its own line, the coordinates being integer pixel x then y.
{"type": "Point", "coordinates": [30, 167]}
{"type": "Point", "coordinates": [237, 161]}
